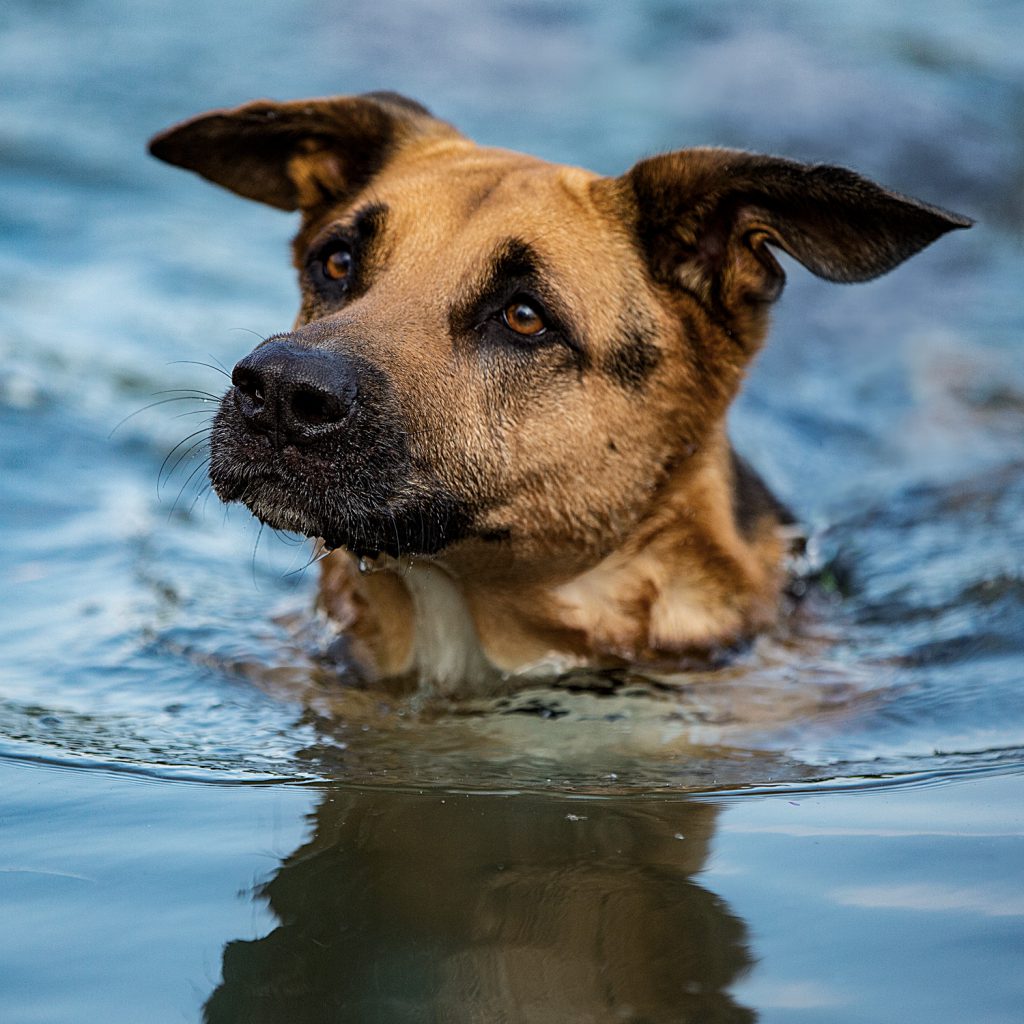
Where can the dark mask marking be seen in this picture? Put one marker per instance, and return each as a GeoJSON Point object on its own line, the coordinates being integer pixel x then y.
{"type": "Point", "coordinates": [752, 501]}
{"type": "Point", "coordinates": [635, 357]}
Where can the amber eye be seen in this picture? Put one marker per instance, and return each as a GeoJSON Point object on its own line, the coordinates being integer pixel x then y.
{"type": "Point", "coordinates": [338, 265]}
{"type": "Point", "coordinates": [523, 318]}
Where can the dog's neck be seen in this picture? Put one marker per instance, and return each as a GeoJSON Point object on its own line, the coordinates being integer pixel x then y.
{"type": "Point", "coordinates": [699, 573]}
{"type": "Point", "coordinates": [445, 649]}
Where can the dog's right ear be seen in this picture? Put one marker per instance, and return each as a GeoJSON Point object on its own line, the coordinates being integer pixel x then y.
{"type": "Point", "coordinates": [300, 153]}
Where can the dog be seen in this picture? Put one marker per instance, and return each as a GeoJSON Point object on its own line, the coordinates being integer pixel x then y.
{"type": "Point", "coordinates": [503, 399]}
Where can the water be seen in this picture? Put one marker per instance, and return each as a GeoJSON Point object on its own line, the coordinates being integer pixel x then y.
{"type": "Point", "coordinates": [196, 814]}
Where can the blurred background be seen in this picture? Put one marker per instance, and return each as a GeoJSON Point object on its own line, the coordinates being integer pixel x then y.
{"type": "Point", "coordinates": [170, 739]}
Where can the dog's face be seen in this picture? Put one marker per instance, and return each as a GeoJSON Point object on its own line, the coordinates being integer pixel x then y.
{"type": "Point", "coordinates": [495, 331]}
{"type": "Point", "coordinates": [492, 349]}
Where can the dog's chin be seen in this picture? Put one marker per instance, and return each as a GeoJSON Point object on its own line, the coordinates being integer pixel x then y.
{"type": "Point", "coordinates": [398, 535]}
{"type": "Point", "coordinates": [422, 525]}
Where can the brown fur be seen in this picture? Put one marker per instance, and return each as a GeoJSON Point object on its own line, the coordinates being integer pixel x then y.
{"type": "Point", "coordinates": [588, 505]}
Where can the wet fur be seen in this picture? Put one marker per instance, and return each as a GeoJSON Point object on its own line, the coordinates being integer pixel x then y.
{"type": "Point", "coordinates": [531, 506]}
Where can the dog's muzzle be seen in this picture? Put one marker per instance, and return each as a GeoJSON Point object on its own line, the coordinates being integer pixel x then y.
{"type": "Point", "coordinates": [313, 439]}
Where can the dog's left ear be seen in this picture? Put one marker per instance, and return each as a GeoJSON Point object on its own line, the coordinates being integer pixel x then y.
{"type": "Point", "coordinates": [300, 153]}
{"type": "Point", "coordinates": [706, 216]}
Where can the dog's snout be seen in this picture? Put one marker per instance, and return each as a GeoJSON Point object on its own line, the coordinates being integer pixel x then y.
{"type": "Point", "coordinates": [294, 392]}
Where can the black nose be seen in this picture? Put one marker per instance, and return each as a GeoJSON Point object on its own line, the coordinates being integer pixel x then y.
{"type": "Point", "coordinates": [298, 394]}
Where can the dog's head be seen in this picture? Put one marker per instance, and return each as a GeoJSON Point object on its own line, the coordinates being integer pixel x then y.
{"type": "Point", "coordinates": [492, 349]}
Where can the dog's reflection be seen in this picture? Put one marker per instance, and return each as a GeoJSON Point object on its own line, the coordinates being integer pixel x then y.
{"type": "Point", "coordinates": [491, 910]}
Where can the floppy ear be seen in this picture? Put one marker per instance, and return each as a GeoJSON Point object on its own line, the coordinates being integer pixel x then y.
{"type": "Point", "coordinates": [299, 153]}
{"type": "Point", "coordinates": [705, 218]}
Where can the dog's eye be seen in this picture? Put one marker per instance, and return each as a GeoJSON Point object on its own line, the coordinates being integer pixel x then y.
{"type": "Point", "coordinates": [337, 264]}
{"type": "Point", "coordinates": [523, 318]}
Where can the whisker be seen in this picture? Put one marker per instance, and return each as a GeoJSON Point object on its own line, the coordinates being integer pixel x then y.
{"type": "Point", "coordinates": [292, 540]}
{"type": "Point", "coordinates": [193, 392]}
{"type": "Point", "coordinates": [247, 331]}
{"type": "Point", "coordinates": [315, 556]}
{"type": "Point", "coordinates": [286, 536]}
{"type": "Point", "coordinates": [255, 548]}
{"type": "Point", "coordinates": [153, 405]}
{"type": "Point", "coordinates": [220, 365]}
{"type": "Point", "coordinates": [206, 488]}
{"type": "Point", "coordinates": [188, 480]}
{"type": "Point", "coordinates": [199, 362]}
{"type": "Point", "coordinates": [193, 412]}
{"type": "Point", "coordinates": [160, 471]}
{"type": "Point", "coordinates": [181, 458]}
{"type": "Point", "coordinates": [398, 538]}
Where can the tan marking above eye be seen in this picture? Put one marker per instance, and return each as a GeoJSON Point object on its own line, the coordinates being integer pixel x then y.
{"type": "Point", "coordinates": [523, 318]}
{"type": "Point", "coordinates": [338, 264]}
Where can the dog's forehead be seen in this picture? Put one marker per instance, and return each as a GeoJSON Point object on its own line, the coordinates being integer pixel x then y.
{"type": "Point", "coordinates": [459, 208]}
{"type": "Point", "coordinates": [465, 179]}
{"type": "Point", "coordinates": [462, 200]}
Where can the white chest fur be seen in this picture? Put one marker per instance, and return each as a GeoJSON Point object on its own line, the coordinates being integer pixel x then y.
{"type": "Point", "coordinates": [446, 654]}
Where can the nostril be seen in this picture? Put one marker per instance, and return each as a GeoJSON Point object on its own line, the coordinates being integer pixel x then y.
{"type": "Point", "coordinates": [249, 384]}
{"type": "Point", "coordinates": [314, 408]}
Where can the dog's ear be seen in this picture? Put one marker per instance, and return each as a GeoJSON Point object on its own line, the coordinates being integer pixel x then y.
{"type": "Point", "coordinates": [300, 153]}
{"type": "Point", "coordinates": [705, 217]}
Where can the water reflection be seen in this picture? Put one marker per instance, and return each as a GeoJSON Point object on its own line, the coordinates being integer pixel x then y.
{"type": "Point", "coordinates": [425, 907]}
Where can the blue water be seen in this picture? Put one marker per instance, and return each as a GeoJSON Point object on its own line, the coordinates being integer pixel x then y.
{"type": "Point", "coordinates": [194, 813]}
